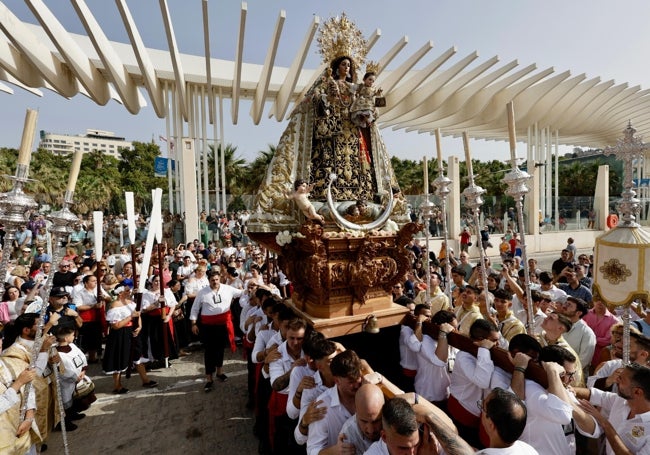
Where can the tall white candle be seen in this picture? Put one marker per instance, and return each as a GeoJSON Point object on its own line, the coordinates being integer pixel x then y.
{"type": "Point", "coordinates": [468, 155]}
{"type": "Point", "coordinates": [130, 215]}
{"type": "Point", "coordinates": [439, 148]}
{"type": "Point", "coordinates": [25, 152]}
{"type": "Point", "coordinates": [74, 171]}
{"type": "Point", "coordinates": [426, 176]}
{"type": "Point", "coordinates": [511, 132]}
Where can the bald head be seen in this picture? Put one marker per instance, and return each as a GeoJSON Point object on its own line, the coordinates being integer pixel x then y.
{"type": "Point", "coordinates": [369, 400]}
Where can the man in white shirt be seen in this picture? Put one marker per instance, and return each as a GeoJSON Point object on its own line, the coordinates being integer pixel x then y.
{"type": "Point", "coordinates": [339, 401]}
{"type": "Point", "coordinates": [291, 357]}
{"type": "Point", "coordinates": [627, 427]}
{"type": "Point", "coordinates": [364, 427]}
{"type": "Point", "coordinates": [471, 376]}
{"type": "Point", "coordinates": [504, 418]}
{"type": "Point", "coordinates": [213, 302]}
{"type": "Point", "coordinates": [432, 378]}
{"type": "Point", "coordinates": [581, 337]}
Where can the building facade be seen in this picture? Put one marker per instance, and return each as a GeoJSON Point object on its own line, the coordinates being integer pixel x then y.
{"type": "Point", "coordinates": [103, 141]}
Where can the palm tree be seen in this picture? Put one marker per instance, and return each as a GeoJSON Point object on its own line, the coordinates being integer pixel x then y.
{"type": "Point", "coordinates": [257, 170]}
{"type": "Point", "coordinates": [235, 169]}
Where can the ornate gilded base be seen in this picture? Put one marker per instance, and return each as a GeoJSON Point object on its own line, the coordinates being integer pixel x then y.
{"type": "Point", "coordinates": [346, 275]}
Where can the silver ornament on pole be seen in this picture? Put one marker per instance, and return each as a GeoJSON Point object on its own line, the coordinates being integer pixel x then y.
{"type": "Point", "coordinates": [516, 180]}
{"type": "Point", "coordinates": [474, 200]}
{"type": "Point", "coordinates": [442, 183]}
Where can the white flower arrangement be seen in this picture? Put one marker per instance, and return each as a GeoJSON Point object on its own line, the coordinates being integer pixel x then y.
{"type": "Point", "coordinates": [285, 237]}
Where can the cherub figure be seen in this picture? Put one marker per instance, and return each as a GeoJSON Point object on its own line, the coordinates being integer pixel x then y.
{"type": "Point", "coordinates": [300, 194]}
{"type": "Point", "coordinates": [363, 112]}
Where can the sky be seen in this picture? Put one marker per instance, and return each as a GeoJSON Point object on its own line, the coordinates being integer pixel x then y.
{"type": "Point", "coordinates": [596, 37]}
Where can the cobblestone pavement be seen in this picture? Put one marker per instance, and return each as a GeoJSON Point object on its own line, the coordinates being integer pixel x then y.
{"type": "Point", "coordinates": [177, 417]}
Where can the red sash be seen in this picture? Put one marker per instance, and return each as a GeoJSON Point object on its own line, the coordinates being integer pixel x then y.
{"type": "Point", "coordinates": [222, 319]}
{"type": "Point", "coordinates": [277, 407]}
{"type": "Point", "coordinates": [155, 312]}
{"type": "Point", "coordinates": [462, 415]}
{"type": "Point", "coordinates": [409, 373]}
{"type": "Point", "coordinates": [89, 315]}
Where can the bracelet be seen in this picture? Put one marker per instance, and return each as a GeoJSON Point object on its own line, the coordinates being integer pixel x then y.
{"type": "Point", "coordinates": [521, 370]}
{"type": "Point", "coordinates": [417, 324]}
{"type": "Point", "coordinates": [442, 334]}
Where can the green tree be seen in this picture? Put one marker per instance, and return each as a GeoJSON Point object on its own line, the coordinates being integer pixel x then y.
{"type": "Point", "coordinates": [136, 169]}
{"type": "Point", "coordinates": [409, 175]}
{"type": "Point", "coordinates": [257, 170]}
{"type": "Point", "coordinates": [235, 168]}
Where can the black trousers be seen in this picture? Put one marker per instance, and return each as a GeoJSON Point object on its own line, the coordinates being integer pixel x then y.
{"type": "Point", "coordinates": [215, 340]}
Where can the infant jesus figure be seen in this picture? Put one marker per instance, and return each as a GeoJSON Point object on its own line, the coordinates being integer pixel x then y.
{"type": "Point", "coordinates": [300, 194]}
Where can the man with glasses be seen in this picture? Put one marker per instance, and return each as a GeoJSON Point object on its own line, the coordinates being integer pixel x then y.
{"type": "Point", "coordinates": [213, 303]}
{"type": "Point", "coordinates": [59, 304]}
{"type": "Point", "coordinates": [64, 277]}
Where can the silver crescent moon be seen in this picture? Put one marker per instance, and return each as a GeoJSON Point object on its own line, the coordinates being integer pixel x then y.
{"type": "Point", "coordinates": [346, 224]}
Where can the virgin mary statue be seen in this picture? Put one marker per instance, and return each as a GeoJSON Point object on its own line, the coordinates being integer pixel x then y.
{"type": "Point", "coordinates": [322, 140]}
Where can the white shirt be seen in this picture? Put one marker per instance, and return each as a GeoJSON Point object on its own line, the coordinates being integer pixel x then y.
{"type": "Point", "coordinates": [279, 367]}
{"type": "Point", "coordinates": [583, 340]}
{"type": "Point", "coordinates": [73, 363]}
{"type": "Point", "coordinates": [294, 380]}
{"type": "Point", "coordinates": [634, 432]}
{"type": "Point", "coordinates": [324, 433]}
{"type": "Point", "coordinates": [407, 358]}
{"type": "Point", "coordinates": [518, 448]}
{"type": "Point", "coordinates": [546, 415]}
{"type": "Point", "coordinates": [194, 285]}
{"type": "Point", "coordinates": [212, 302]}
{"type": "Point", "coordinates": [471, 375]}
{"type": "Point", "coordinates": [606, 371]}
{"type": "Point", "coordinates": [432, 378]}
{"type": "Point", "coordinates": [377, 448]}
{"type": "Point", "coordinates": [354, 436]}
{"type": "Point", "coordinates": [308, 396]}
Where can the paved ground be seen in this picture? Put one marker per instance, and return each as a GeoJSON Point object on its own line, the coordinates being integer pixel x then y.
{"type": "Point", "coordinates": [177, 417]}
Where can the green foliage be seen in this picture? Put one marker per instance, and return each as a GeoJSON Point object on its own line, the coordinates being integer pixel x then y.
{"type": "Point", "coordinates": [136, 173]}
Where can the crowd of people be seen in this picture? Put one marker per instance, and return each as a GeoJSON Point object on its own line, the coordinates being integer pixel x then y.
{"type": "Point", "coordinates": [312, 395]}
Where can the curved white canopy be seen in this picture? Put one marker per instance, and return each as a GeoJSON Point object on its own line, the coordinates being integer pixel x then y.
{"type": "Point", "coordinates": [452, 92]}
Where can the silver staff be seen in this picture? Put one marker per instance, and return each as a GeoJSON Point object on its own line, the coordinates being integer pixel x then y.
{"type": "Point", "coordinates": [442, 191]}
{"type": "Point", "coordinates": [59, 399]}
{"type": "Point", "coordinates": [474, 201]}
{"type": "Point", "coordinates": [516, 180]}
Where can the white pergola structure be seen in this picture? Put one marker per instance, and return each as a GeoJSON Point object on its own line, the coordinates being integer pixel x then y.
{"type": "Point", "coordinates": [446, 91]}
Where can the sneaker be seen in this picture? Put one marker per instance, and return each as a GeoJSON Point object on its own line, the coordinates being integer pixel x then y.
{"type": "Point", "coordinates": [222, 377]}
{"type": "Point", "coordinates": [121, 391]}
{"type": "Point", "coordinates": [208, 386]}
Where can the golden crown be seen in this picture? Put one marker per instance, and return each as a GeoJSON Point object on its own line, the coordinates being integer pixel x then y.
{"type": "Point", "coordinates": [372, 67]}
{"type": "Point", "coordinates": [339, 37]}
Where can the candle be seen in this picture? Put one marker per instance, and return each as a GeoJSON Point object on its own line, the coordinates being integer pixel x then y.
{"type": "Point", "coordinates": [511, 132]}
{"type": "Point", "coordinates": [439, 148]}
{"type": "Point", "coordinates": [74, 171]}
{"type": "Point", "coordinates": [426, 176]}
{"type": "Point", "coordinates": [130, 215]}
{"type": "Point", "coordinates": [98, 232]}
{"type": "Point", "coordinates": [468, 156]}
{"type": "Point", "coordinates": [25, 153]}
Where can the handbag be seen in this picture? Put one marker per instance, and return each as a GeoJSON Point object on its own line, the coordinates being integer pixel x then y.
{"type": "Point", "coordinates": [177, 314]}
{"type": "Point", "coordinates": [380, 101]}
{"type": "Point", "coordinates": [84, 387]}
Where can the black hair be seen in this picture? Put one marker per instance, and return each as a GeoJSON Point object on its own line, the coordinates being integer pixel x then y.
{"type": "Point", "coordinates": [556, 353]}
{"type": "Point", "coordinates": [581, 305]}
{"type": "Point", "coordinates": [352, 76]}
{"type": "Point", "coordinates": [398, 414]}
{"type": "Point", "coordinates": [508, 413]}
{"type": "Point", "coordinates": [502, 294]}
{"type": "Point", "coordinates": [322, 348]}
{"type": "Point", "coordinates": [298, 182]}
{"type": "Point", "coordinates": [368, 74]}
{"type": "Point", "coordinates": [420, 307]}
{"type": "Point", "coordinates": [347, 364]}
{"type": "Point", "coordinates": [481, 329]}
{"type": "Point", "coordinates": [522, 342]}
{"type": "Point", "coordinates": [443, 316]}
{"type": "Point", "coordinates": [640, 378]}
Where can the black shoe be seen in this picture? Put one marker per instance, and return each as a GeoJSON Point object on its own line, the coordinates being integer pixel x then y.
{"type": "Point", "coordinates": [222, 377]}
{"type": "Point", "coordinates": [69, 426]}
{"type": "Point", "coordinates": [76, 416]}
{"type": "Point", "coordinates": [150, 384]}
{"type": "Point", "coordinates": [208, 386]}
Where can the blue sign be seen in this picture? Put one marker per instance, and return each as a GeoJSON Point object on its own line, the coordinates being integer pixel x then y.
{"type": "Point", "coordinates": [160, 166]}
